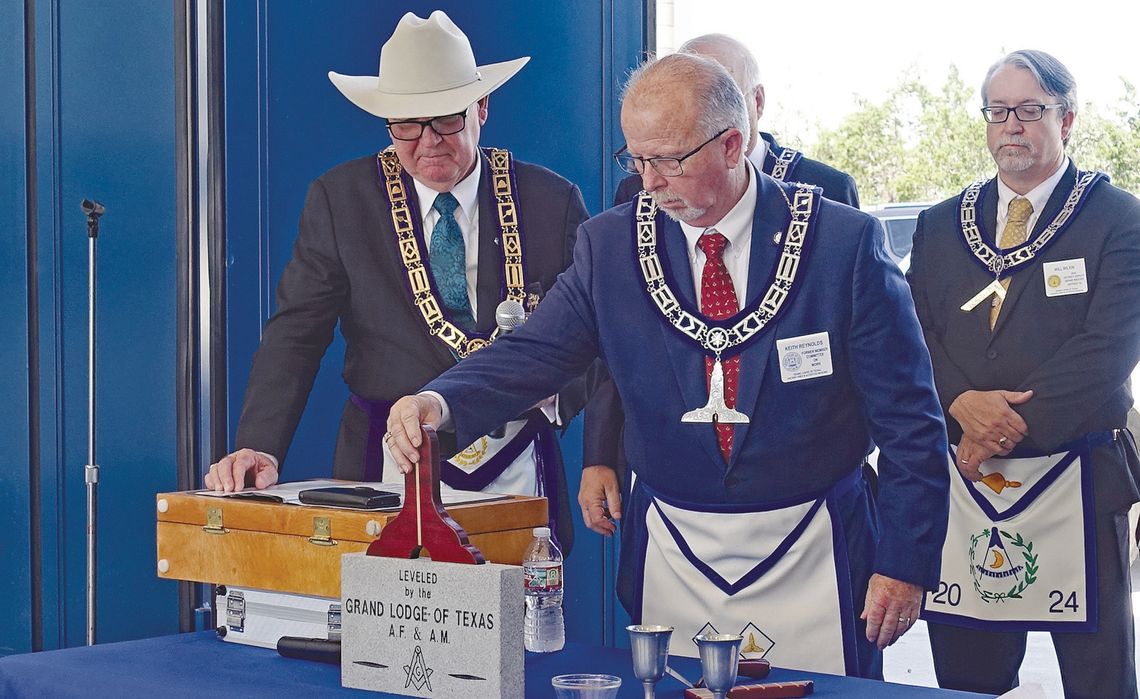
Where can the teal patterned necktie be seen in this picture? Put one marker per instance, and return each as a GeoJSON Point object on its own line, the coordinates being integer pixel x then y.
{"type": "Point", "coordinates": [449, 263]}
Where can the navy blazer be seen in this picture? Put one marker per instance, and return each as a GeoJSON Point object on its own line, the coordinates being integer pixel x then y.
{"type": "Point", "coordinates": [803, 436]}
{"type": "Point", "coordinates": [1075, 352]}
{"type": "Point", "coordinates": [605, 418]}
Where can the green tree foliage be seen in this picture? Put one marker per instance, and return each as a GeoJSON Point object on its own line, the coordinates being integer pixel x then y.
{"type": "Point", "coordinates": [920, 144]}
{"type": "Point", "coordinates": [1110, 142]}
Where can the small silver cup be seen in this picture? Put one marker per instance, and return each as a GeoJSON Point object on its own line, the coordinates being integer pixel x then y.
{"type": "Point", "coordinates": [650, 648]}
{"type": "Point", "coordinates": [720, 654]}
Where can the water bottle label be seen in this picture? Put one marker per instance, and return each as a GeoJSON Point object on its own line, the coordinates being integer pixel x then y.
{"type": "Point", "coordinates": [543, 579]}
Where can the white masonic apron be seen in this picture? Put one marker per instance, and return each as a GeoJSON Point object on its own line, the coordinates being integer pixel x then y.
{"type": "Point", "coordinates": [768, 574]}
{"type": "Point", "coordinates": [1020, 551]}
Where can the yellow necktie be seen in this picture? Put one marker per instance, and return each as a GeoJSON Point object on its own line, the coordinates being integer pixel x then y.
{"type": "Point", "coordinates": [1014, 234]}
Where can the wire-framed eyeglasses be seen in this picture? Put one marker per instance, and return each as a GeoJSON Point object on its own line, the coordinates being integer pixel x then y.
{"type": "Point", "coordinates": [412, 129]}
{"type": "Point", "coordinates": [1024, 112]}
{"type": "Point", "coordinates": [667, 167]}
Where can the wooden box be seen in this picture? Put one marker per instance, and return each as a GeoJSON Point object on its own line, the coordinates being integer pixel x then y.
{"type": "Point", "coordinates": [297, 548]}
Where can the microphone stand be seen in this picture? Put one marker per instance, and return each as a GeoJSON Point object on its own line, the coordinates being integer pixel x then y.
{"type": "Point", "coordinates": [93, 210]}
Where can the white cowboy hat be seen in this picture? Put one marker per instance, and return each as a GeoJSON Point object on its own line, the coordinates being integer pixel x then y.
{"type": "Point", "coordinates": [427, 69]}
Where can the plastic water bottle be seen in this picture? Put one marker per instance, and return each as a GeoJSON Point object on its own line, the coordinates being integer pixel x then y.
{"type": "Point", "coordinates": [544, 630]}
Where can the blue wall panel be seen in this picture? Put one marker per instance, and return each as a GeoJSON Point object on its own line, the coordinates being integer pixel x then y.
{"type": "Point", "coordinates": [286, 124]}
{"type": "Point", "coordinates": [15, 448]}
{"type": "Point", "coordinates": [104, 129]}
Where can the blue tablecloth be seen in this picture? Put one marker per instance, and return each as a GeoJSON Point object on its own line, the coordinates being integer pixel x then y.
{"type": "Point", "coordinates": [198, 664]}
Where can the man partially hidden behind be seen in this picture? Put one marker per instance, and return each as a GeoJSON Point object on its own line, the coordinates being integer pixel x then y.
{"type": "Point", "coordinates": [1027, 289]}
{"type": "Point", "coordinates": [411, 250]}
{"type": "Point", "coordinates": [780, 163]}
{"type": "Point", "coordinates": [602, 436]}
{"type": "Point", "coordinates": [759, 338]}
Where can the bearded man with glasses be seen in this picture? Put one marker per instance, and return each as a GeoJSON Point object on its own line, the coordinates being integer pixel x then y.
{"type": "Point", "coordinates": [1027, 291]}
{"type": "Point", "coordinates": [759, 338]}
{"type": "Point", "coordinates": [410, 251]}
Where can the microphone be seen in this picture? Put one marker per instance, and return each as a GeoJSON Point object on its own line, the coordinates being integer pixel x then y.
{"type": "Point", "coordinates": [509, 315]}
{"type": "Point", "coordinates": [92, 210]}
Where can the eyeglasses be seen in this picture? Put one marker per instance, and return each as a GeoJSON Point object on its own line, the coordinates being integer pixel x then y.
{"type": "Point", "coordinates": [668, 167]}
{"type": "Point", "coordinates": [1024, 112]}
{"type": "Point", "coordinates": [443, 125]}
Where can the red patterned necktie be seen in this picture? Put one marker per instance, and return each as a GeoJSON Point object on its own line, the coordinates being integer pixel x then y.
{"type": "Point", "coordinates": [718, 301]}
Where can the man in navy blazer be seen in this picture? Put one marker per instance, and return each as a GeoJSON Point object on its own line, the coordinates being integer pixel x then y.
{"type": "Point", "coordinates": [1039, 368]}
{"type": "Point", "coordinates": [830, 357]}
{"type": "Point", "coordinates": [602, 441]}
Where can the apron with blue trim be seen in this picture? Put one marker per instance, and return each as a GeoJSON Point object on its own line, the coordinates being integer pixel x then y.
{"type": "Point", "coordinates": [1020, 551]}
{"type": "Point", "coordinates": [775, 575]}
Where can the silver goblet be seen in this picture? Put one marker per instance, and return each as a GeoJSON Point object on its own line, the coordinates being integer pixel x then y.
{"type": "Point", "coordinates": [650, 648]}
{"type": "Point", "coordinates": [720, 654]}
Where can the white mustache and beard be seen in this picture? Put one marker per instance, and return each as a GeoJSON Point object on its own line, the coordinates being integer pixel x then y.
{"type": "Point", "coordinates": [1015, 159]}
{"type": "Point", "coordinates": [685, 214]}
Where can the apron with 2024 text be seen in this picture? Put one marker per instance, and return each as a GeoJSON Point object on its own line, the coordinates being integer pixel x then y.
{"type": "Point", "coordinates": [1020, 551]}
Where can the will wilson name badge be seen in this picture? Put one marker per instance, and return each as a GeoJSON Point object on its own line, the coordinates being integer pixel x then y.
{"type": "Point", "coordinates": [1065, 277]}
{"type": "Point", "coordinates": [804, 357]}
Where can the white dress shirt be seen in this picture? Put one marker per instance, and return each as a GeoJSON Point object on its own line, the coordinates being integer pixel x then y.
{"type": "Point", "coordinates": [1038, 197]}
{"type": "Point", "coordinates": [736, 226]}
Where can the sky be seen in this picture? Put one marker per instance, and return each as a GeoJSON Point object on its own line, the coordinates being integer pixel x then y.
{"type": "Point", "coordinates": [816, 58]}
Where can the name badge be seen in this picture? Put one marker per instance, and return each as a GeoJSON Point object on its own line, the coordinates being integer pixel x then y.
{"type": "Point", "coordinates": [804, 357]}
{"type": "Point", "coordinates": [1065, 277]}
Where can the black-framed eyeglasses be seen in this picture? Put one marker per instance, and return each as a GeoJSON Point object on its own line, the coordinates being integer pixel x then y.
{"type": "Point", "coordinates": [1024, 112]}
{"type": "Point", "coordinates": [412, 129]}
{"type": "Point", "coordinates": [668, 167]}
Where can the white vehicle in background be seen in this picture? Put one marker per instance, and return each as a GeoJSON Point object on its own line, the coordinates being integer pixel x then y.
{"type": "Point", "coordinates": [899, 221]}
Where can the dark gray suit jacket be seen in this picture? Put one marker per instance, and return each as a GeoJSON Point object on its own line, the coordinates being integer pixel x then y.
{"type": "Point", "coordinates": [836, 184]}
{"type": "Point", "coordinates": [1075, 352]}
{"type": "Point", "coordinates": [346, 268]}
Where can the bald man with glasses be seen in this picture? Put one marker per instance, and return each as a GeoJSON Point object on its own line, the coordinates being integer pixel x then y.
{"type": "Point", "coordinates": [759, 338]}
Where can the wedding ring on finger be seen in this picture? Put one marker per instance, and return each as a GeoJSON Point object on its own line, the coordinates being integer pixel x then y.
{"type": "Point", "coordinates": [1002, 442]}
{"type": "Point", "coordinates": [388, 438]}
{"type": "Point", "coordinates": [904, 620]}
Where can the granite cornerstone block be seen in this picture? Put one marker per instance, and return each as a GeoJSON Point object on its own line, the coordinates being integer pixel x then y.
{"type": "Point", "coordinates": [426, 629]}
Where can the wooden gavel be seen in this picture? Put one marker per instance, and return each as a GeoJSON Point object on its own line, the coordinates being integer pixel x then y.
{"type": "Point", "coordinates": [423, 528]}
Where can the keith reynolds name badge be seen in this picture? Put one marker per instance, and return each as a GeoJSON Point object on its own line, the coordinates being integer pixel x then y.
{"type": "Point", "coordinates": [804, 357]}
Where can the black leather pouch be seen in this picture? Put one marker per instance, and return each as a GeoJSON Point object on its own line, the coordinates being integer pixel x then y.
{"type": "Point", "coordinates": [359, 497]}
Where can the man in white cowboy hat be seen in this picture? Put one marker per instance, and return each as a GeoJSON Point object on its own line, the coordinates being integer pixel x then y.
{"type": "Point", "coordinates": [411, 250]}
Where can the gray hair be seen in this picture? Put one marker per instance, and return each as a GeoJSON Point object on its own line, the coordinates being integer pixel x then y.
{"type": "Point", "coordinates": [1051, 75]}
{"type": "Point", "coordinates": [720, 102]}
{"type": "Point", "coordinates": [735, 56]}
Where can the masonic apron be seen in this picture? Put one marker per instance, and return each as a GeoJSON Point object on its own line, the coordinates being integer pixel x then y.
{"type": "Point", "coordinates": [1020, 551]}
{"type": "Point", "coordinates": [776, 576]}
